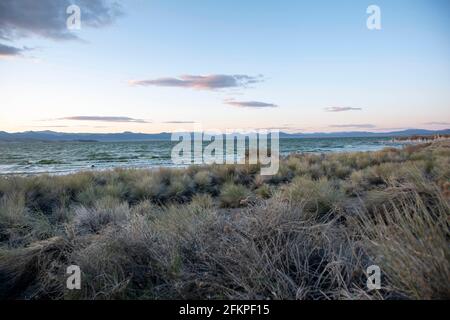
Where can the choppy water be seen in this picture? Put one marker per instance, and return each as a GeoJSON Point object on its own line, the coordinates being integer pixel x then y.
{"type": "Point", "coordinates": [67, 157]}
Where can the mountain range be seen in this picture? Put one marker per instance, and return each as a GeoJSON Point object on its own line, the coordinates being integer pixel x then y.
{"type": "Point", "coordinates": [131, 136]}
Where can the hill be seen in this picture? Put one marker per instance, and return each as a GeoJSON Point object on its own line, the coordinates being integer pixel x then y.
{"type": "Point", "coordinates": [131, 136]}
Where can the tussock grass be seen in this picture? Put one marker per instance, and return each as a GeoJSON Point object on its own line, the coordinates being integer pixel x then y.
{"type": "Point", "coordinates": [410, 243]}
{"type": "Point", "coordinates": [233, 195]}
{"type": "Point", "coordinates": [321, 196]}
{"type": "Point", "coordinates": [225, 232]}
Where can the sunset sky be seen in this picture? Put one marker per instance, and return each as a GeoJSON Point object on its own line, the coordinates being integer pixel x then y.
{"type": "Point", "coordinates": [163, 65]}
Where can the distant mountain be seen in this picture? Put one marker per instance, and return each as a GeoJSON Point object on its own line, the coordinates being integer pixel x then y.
{"type": "Point", "coordinates": [102, 137]}
{"type": "Point", "coordinates": [365, 134]}
{"type": "Point", "coordinates": [130, 136]}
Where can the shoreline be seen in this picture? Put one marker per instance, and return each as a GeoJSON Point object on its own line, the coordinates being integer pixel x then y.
{"type": "Point", "coordinates": [131, 166]}
{"type": "Point", "coordinates": [422, 138]}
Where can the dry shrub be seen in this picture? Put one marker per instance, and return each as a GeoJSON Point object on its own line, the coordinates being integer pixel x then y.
{"type": "Point", "coordinates": [274, 251]}
{"type": "Point", "coordinates": [410, 244]}
{"type": "Point", "coordinates": [265, 191]}
{"type": "Point", "coordinates": [202, 201]}
{"type": "Point", "coordinates": [232, 195]}
{"type": "Point", "coordinates": [106, 211]}
{"type": "Point", "coordinates": [203, 180]}
{"type": "Point", "coordinates": [321, 196]}
{"type": "Point", "coordinates": [26, 273]}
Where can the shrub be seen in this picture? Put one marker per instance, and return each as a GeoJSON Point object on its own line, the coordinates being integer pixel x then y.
{"type": "Point", "coordinates": [232, 195]}
{"type": "Point", "coordinates": [321, 196]}
{"type": "Point", "coordinates": [202, 201]}
{"type": "Point", "coordinates": [203, 180]}
{"type": "Point", "coordinates": [105, 212]}
{"type": "Point", "coordinates": [283, 175]}
{"type": "Point", "coordinates": [273, 252]}
{"type": "Point", "coordinates": [410, 244]}
{"type": "Point", "coordinates": [14, 219]}
{"type": "Point", "coordinates": [180, 188]}
{"type": "Point", "coordinates": [265, 191]}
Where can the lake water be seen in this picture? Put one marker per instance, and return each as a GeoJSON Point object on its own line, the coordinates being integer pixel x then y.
{"type": "Point", "coordinates": [67, 157]}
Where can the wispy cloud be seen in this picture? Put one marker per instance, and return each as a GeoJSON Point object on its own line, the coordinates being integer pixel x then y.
{"type": "Point", "coordinates": [10, 51]}
{"type": "Point", "coordinates": [50, 126]}
{"type": "Point", "coordinates": [47, 18]}
{"type": "Point", "coordinates": [208, 82]}
{"type": "Point", "coordinates": [354, 126]}
{"type": "Point", "coordinates": [341, 109]}
{"type": "Point", "coordinates": [105, 119]}
{"type": "Point", "coordinates": [286, 128]}
{"type": "Point", "coordinates": [179, 122]}
{"type": "Point", "coordinates": [250, 104]}
{"type": "Point", "coordinates": [437, 123]}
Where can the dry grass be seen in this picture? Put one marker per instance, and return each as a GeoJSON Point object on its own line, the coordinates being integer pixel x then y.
{"type": "Point", "coordinates": [233, 196]}
{"type": "Point", "coordinates": [410, 243]}
{"type": "Point", "coordinates": [216, 232]}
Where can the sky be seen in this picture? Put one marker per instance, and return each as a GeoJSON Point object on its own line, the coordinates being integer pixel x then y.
{"type": "Point", "coordinates": [181, 65]}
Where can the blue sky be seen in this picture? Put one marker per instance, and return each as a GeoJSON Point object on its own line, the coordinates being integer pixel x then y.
{"type": "Point", "coordinates": [302, 60]}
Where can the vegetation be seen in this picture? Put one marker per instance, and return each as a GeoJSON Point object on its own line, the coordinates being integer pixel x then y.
{"type": "Point", "coordinates": [216, 232]}
{"type": "Point", "coordinates": [424, 137]}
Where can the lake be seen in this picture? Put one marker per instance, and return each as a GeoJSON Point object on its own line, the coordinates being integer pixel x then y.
{"type": "Point", "coordinates": [68, 157]}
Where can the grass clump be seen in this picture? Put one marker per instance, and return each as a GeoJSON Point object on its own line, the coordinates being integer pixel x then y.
{"type": "Point", "coordinates": [233, 195]}
{"type": "Point", "coordinates": [410, 243]}
{"type": "Point", "coordinates": [321, 196]}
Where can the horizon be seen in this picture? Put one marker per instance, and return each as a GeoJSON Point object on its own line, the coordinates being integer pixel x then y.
{"type": "Point", "coordinates": [164, 66]}
{"type": "Point", "coordinates": [237, 131]}
{"type": "Point", "coordinates": [231, 129]}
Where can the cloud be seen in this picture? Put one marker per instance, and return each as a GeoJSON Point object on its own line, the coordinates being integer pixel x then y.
{"type": "Point", "coordinates": [179, 122]}
{"type": "Point", "coordinates": [50, 126]}
{"type": "Point", "coordinates": [360, 126]}
{"type": "Point", "coordinates": [208, 82]}
{"type": "Point", "coordinates": [9, 51]}
{"type": "Point", "coordinates": [341, 109]}
{"type": "Point", "coordinates": [250, 104]}
{"type": "Point", "coordinates": [105, 119]}
{"type": "Point", "coordinates": [438, 123]}
{"type": "Point", "coordinates": [47, 18]}
{"type": "Point", "coordinates": [287, 128]}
